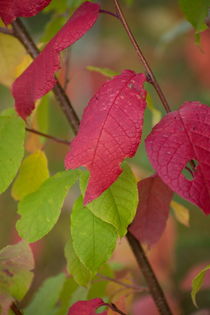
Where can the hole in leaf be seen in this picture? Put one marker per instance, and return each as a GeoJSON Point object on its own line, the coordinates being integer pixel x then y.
{"type": "Point", "coordinates": [189, 170]}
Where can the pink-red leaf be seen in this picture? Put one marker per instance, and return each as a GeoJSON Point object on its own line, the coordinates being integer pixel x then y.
{"type": "Point", "coordinates": [39, 78]}
{"type": "Point", "coordinates": [152, 213]}
{"type": "Point", "coordinates": [11, 9]}
{"type": "Point", "coordinates": [180, 137]}
{"type": "Point", "coordinates": [110, 131]}
{"type": "Point", "coordinates": [87, 307]}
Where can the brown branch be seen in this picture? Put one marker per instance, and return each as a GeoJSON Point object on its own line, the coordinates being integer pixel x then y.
{"type": "Point", "coordinates": [58, 140]}
{"type": "Point", "coordinates": [150, 75]}
{"type": "Point", "coordinates": [152, 282]}
{"type": "Point", "coordinates": [24, 37]}
{"type": "Point", "coordinates": [15, 309]}
{"type": "Point", "coordinates": [6, 31]}
{"type": "Point", "coordinates": [123, 284]}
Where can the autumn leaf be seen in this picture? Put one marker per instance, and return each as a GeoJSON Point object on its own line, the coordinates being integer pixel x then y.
{"type": "Point", "coordinates": [153, 210]}
{"type": "Point", "coordinates": [110, 131]}
{"type": "Point", "coordinates": [180, 137]}
{"type": "Point", "coordinates": [38, 78]}
{"type": "Point", "coordinates": [87, 307]}
{"type": "Point", "coordinates": [11, 9]}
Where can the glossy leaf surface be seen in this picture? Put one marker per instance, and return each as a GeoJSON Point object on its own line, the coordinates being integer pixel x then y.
{"type": "Point", "coordinates": [93, 240]}
{"type": "Point", "coordinates": [117, 205]}
{"type": "Point", "coordinates": [38, 78]}
{"type": "Point", "coordinates": [11, 9]}
{"type": "Point", "coordinates": [110, 131]}
{"type": "Point", "coordinates": [180, 137]}
{"type": "Point", "coordinates": [40, 210]}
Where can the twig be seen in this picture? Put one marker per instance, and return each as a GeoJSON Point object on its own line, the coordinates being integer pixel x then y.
{"type": "Point", "coordinates": [67, 66]}
{"type": "Point", "coordinates": [109, 13]}
{"type": "Point", "coordinates": [153, 284]}
{"type": "Point", "coordinates": [123, 284]}
{"type": "Point", "coordinates": [150, 75]}
{"type": "Point", "coordinates": [115, 308]}
{"type": "Point", "coordinates": [15, 309]}
{"type": "Point", "coordinates": [6, 31]}
{"type": "Point", "coordinates": [22, 34]}
{"type": "Point", "coordinates": [58, 140]}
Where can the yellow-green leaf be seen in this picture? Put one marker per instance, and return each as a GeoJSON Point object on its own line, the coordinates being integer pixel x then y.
{"type": "Point", "coordinates": [33, 172]}
{"type": "Point", "coordinates": [12, 54]}
{"type": "Point", "coordinates": [197, 283]}
{"type": "Point", "coordinates": [181, 213]}
{"type": "Point", "coordinates": [104, 71]}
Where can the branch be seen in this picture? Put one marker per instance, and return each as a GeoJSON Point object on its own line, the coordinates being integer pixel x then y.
{"type": "Point", "coordinates": [149, 275]}
{"type": "Point", "coordinates": [15, 309]}
{"type": "Point", "coordinates": [22, 34]}
{"type": "Point", "coordinates": [149, 73]}
{"type": "Point", "coordinates": [58, 140]}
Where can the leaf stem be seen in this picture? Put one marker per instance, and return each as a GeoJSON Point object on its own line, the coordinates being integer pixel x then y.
{"type": "Point", "coordinates": [114, 308]}
{"type": "Point", "coordinates": [153, 284]}
{"type": "Point", "coordinates": [24, 37]}
{"type": "Point", "coordinates": [58, 140]}
{"type": "Point", "coordinates": [149, 73]}
{"type": "Point", "coordinates": [109, 13]}
{"type": "Point", "coordinates": [15, 309]}
{"type": "Point", "coordinates": [123, 284]}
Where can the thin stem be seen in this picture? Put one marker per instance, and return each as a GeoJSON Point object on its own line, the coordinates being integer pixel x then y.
{"type": "Point", "coordinates": [114, 308]}
{"type": "Point", "coordinates": [109, 13]}
{"type": "Point", "coordinates": [15, 309]}
{"type": "Point", "coordinates": [24, 37]}
{"type": "Point", "coordinates": [6, 31]}
{"type": "Point", "coordinates": [153, 284]}
{"type": "Point", "coordinates": [123, 284]}
{"type": "Point", "coordinates": [150, 75]}
{"type": "Point", "coordinates": [58, 140]}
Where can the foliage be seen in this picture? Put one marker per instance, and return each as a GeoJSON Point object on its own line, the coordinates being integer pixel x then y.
{"type": "Point", "coordinates": [106, 200]}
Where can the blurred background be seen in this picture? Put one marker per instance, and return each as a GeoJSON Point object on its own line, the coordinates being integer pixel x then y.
{"type": "Point", "coordinates": [182, 68]}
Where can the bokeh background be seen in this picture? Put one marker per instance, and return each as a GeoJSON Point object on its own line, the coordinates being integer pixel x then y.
{"type": "Point", "coordinates": [182, 68]}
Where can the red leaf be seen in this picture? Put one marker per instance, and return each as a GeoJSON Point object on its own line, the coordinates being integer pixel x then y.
{"type": "Point", "coordinates": [38, 78]}
{"type": "Point", "coordinates": [87, 307]}
{"type": "Point", "coordinates": [110, 131]}
{"type": "Point", "coordinates": [11, 9]}
{"type": "Point", "coordinates": [153, 210]}
{"type": "Point", "coordinates": [182, 136]}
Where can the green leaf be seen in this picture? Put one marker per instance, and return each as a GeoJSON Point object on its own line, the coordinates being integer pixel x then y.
{"type": "Point", "coordinates": [12, 134]}
{"type": "Point", "coordinates": [118, 204]}
{"type": "Point", "coordinates": [74, 266]}
{"type": "Point", "coordinates": [93, 240]}
{"type": "Point", "coordinates": [47, 297]}
{"type": "Point", "coordinates": [196, 11]}
{"type": "Point", "coordinates": [55, 24]}
{"type": "Point", "coordinates": [197, 283]}
{"type": "Point", "coordinates": [69, 287]}
{"type": "Point", "coordinates": [156, 114]}
{"type": "Point", "coordinates": [16, 263]}
{"type": "Point", "coordinates": [104, 71]}
{"type": "Point", "coordinates": [42, 114]}
{"type": "Point", "coordinates": [40, 210]}
{"type": "Point", "coordinates": [33, 172]}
